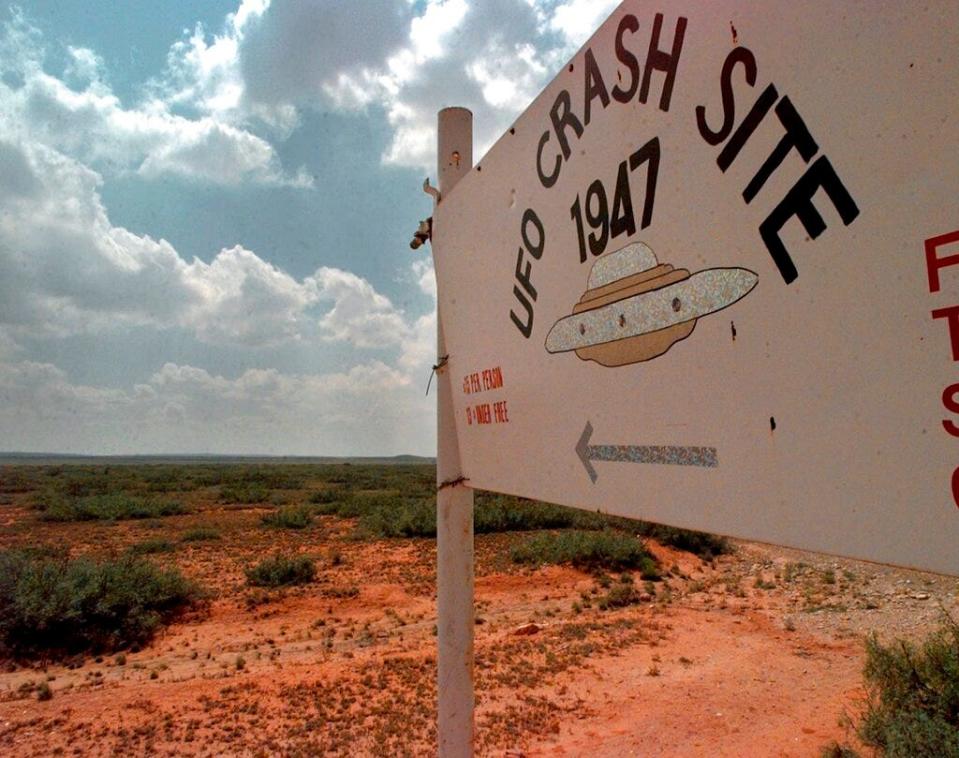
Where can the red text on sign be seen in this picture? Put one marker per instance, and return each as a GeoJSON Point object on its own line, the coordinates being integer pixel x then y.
{"type": "Point", "coordinates": [950, 395]}
{"type": "Point", "coordinates": [483, 381]}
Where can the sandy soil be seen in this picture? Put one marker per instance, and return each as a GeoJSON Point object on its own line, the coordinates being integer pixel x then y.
{"type": "Point", "coordinates": [756, 653]}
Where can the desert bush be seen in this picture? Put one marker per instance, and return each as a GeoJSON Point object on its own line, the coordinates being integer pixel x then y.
{"type": "Point", "coordinates": [395, 515]}
{"type": "Point", "coordinates": [699, 543]}
{"type": "Point", "coordinates": [14, 480]}
{"type": "Point", "coordinates": [169, 479]}
{"type": "Point", "coordinates": [348, 505]}
{"type": "Point", "coordinates": [272, 477]}
{"type": "Point", "coordinates": [200, 534]}
{"type": "Point", "coordinates": [913, 695]}
{"type": "Point", "coordinates": [503, 513]}
{"type": "Point", "coordinates": [106, 507]}
{"type": "Point", "coordinates": [84, 485]}
{"type": "Point", "coordinates": [148, 547]}
{"type": "Point", "coordinates": [589, 550]}
{"type": "Point", "coordinates": [322, 497]}
{"type": "Point", "coordinates": [405, 516]}
{"type": "Point", "coordinates": [289, 517]}
{"type": "Point", "coordinates": [619, 595]}
{"type": "Point", "coordinates": [244, 493]}
{"type": "Point", "coordinates": [912, 698]}
{"type": "Point", "coordinates": [60, 606]}
{"type": "Point", "coordinates": [360, 505]}
{"type": "Point", "coordinates": [267, 476]}
{"type": "Point", "coordinates": [280, 571]}
{"type": "Point", "coordinates": [398, 517]}
{"type": "Point", "coordinates": [410, 479]}
{"type": "Point", "coordinates": [44, 692]}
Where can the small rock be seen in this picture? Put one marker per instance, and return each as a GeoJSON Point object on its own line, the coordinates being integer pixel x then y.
{"type": "Point", "coordinates": [524, 630]}
{"type": "Point", "coordinates": [920, 596]}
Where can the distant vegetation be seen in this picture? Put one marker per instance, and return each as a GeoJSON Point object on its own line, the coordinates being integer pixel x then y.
{"type": "Point", "coordinates": [289, 517]}
{"type": "Point", "coordinates": [325, 496]}
{"type": "Point", "coordinates": [105, 507]}
{"type": "Point", "coordinates": [400, 515]}
{"type": "Point", "coordinates": [244, 492]}
{"type": "Point", "coordinates": [55, 606]}
{"type": "Point", "coordinates": [381, 501]}
{"type": "Point", "coordinates": [149, 547]}
{"type": "Point", "coordinates": [201, 534]}
{"type": "Point", "coordinates": [281, 570]}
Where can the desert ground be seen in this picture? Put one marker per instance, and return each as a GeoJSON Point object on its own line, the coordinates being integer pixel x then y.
{"type": "Point", "coordinates": [757, 651]}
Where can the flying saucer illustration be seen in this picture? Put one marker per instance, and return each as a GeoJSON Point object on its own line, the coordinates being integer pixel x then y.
{"type": "Point", "coordinates": [635, 308]}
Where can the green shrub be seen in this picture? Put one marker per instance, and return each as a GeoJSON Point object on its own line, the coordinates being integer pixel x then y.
{"type": "Point", "coordinates": [106, 507]}
{"type": "Point", "coordinates": [148, 547]}
{"type": "Point", "coordinates": [587, 550]}
{"type": "Point", "coordinates": [503, 513]}
{"type": "Point", "coordinates": [347, 505]}
{"type": "Point", "coordinates": [913, 695]}
{"type": "Point", "coordinates": [60, 606]}
{"type": "Point", "coordinates": [399, 517]}
{"type": "Point", "coordinates": [619, 595]}
{"type": "Point", "coordinates": [14, 481]}
{"type": "Point", "coordinates": [244, 493]}
{"type": "Point", "coordinates": [399, 501]}
{"type": "Point", "coordinates": [281, 570]}
{"type": "Point", "coordinates": [166, 479]}
{"type": "Point", "coordinates": [84, 484]}
{"type": "Point", "coordinates": [274, 477]}
{"type": "Point", "coordinates": [320, 497]}
{"type": "Point", "coordinates": [699, 543]}
{"type": "Point", "coordinates": [201, 534]}
{"type": "Point", "coordinates": [408, 516]}
{"type": "Point", "coordinates": [268, 477]}
{"type": "Point", "coordinates": [289, 517]}
{"type": "Point", "coordinates": [386, 515]}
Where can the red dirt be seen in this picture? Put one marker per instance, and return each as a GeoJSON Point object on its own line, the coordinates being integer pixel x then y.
{"type": "Point", "coordinates": [759, 653]}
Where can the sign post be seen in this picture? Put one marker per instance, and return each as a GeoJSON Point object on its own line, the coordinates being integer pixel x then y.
{"type": "Point", "coordinates": [454, 500]}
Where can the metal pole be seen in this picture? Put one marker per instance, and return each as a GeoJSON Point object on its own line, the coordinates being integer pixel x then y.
{"type": "Point", "coordinates": [454, 502]}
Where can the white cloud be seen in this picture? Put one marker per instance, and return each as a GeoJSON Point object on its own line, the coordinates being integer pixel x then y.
{"type": "Point", "coordinates": [88, 122]}
{"type": "Point", "coordinates": [576, 20]}
{"type": "Point", "coordinates": [65, 269]}
{"type": "Point", "coordinates": [245, 300]}
{"type": "Point", "coordinates": [490, 58]}
{"type": "Point", "coordinates": [359, 315]}
{"type": "Point", "coordinates": [369, 409]}
{"type": "Point", "coordinates": [406, 58]}
{"type": "Point", "coordinates": [425, 276]}
{"type": "Point", "coordinates": [63, 266]}
{"type": "Point", "coordinates": [294, 48]}
{"type": "Point", "coordinates": [203, 74]}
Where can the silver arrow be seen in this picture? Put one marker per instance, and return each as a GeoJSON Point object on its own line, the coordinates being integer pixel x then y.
{"type": "Point", "coordinates": [666, 454]}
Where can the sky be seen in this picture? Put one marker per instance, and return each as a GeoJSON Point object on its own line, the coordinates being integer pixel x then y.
{"type": "Point", "coordinates": [206, 209]}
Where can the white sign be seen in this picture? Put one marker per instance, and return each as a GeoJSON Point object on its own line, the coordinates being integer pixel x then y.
{"type": "Point", "coordinates": [710, 278]}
